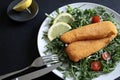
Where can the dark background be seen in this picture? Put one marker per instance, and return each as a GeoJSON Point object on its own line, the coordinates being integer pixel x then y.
{"type": "Point", "coordinates": [18, 41]}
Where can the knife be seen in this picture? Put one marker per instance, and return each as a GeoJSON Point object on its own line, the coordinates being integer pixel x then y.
{"type": "Point", "coordinates": [38, 73]}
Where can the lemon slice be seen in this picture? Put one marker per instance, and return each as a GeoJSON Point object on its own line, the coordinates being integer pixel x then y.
{"type": "Point", "coordinates": [57, 29]}
{"type": "Point", "coordinates": [64, 17]}
{"type": "Point", "coordinates": [22, 5]}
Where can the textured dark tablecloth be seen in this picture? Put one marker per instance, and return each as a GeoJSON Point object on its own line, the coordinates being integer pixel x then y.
{"type": "Point", "coordinates": [18, 41]}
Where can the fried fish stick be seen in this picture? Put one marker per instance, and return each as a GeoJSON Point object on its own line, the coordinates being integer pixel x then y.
{"type": "Point", "coordinates": [81, 49]}
{"type": "Point", "coordinates": [89, 32]}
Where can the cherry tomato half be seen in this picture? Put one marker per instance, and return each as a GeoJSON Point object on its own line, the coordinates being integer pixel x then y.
{"type": "Point", "coordinates": [95, 19]}
{"type": "Point", "coordinates": [106, 56]}
{"type": "Point", "coordinates": [95, 66]}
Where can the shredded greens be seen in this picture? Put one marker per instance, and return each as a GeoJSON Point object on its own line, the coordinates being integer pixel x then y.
{"type": "Point", "coordinates": [81, 70]}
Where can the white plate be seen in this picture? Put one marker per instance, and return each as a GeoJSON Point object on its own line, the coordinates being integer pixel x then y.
{"type": "Point", "coordinates": [44, 27]}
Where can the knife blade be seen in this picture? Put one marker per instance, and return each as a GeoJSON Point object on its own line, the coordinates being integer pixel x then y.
{"type": "Point", "coordinates": [38, 73]}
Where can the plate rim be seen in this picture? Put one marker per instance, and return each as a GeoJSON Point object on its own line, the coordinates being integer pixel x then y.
{"type": "Point", "coordinates": [111, 10]}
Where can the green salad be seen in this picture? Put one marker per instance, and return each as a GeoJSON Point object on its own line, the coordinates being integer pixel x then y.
{"type": "Point", "coordinates": [82, 70]}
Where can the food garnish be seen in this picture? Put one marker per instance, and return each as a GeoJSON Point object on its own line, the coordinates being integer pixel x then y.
{"type": "Point", "coordinates": [95, 65]}
{"type": "Point", "coordinates": [22, 5]}
{"type": "Point", "coordinates": [64, 17]}
{"type": "Point", "coordinates": [106, 56]}
{"type": "Point", "coordinates": [95, 19]}
{"type": "Point", "coordinates": [57, 29]}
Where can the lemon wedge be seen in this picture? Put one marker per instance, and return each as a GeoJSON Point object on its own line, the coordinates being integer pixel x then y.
{"type": "Point", "coordinates": [64, 17]}
{"type": "Point", "coordinates": [22, 5]}
{"type": "Point", "coordinates": [57, 29]}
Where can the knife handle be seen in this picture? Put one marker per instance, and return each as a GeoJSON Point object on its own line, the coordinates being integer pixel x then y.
{"type": "Point", "coordinates": [13, 73]}
{"type": "Point", "coordinates": [38, 73]}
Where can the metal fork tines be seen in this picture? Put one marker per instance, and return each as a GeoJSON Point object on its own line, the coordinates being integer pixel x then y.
{"type": "Point", "coordinates": [50, 59]}
{"type": "Point", "coordinates": [38, 62]}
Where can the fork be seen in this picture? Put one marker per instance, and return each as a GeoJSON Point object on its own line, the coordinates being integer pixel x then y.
{"type": "Point", "coordinates": [38, 62]}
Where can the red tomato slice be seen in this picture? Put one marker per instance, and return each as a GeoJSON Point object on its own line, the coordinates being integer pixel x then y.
{"type": "Point", "coordinates": [95, 19]}
{"type": "Point", "coordinates": [106, 56]}
{"type": "Point", "coordinates": [95, 66]}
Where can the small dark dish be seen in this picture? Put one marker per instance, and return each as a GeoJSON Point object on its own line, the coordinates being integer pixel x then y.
{"type": "Point", "coordinates": [24, 15]}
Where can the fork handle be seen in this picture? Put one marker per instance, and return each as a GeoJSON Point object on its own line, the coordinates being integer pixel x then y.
{"type": "Point", "coordinates": [13, 73]}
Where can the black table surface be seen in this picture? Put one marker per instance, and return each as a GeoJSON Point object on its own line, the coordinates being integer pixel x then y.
{"type": "Point", "coordinates": [18, 41]}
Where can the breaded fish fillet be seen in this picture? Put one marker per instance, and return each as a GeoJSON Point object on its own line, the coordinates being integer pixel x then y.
{"type": "Point", "coordinates": [88, 39]}
{"type": "Point", "coordinates": [89, 32]}
{"type": "Point", "coordinates": [81, 49]}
